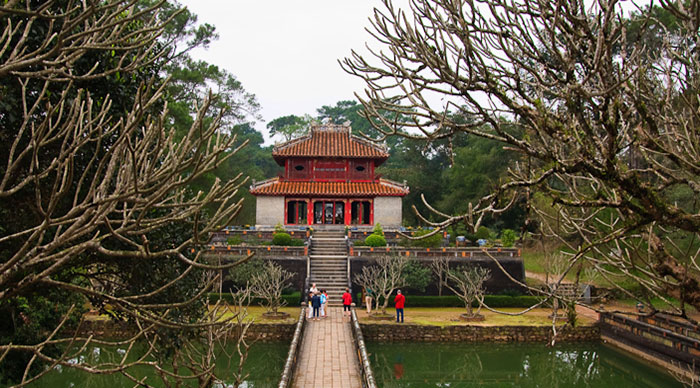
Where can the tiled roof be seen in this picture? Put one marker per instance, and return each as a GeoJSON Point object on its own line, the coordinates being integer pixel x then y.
{"type": "Point", "coordinates": [381, 187]}
{"type": "Point", "coordinates": [330, 140]}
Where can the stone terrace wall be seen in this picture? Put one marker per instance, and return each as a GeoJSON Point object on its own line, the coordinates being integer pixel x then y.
{"type": "Point", "coordinates": [498, 283]}
{"type": "Point", "coordinates": [667, 342]}
{"type": "Point", "coordinates": [418, 333]}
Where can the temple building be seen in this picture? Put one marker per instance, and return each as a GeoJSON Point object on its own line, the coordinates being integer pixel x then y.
{"type": "Point", "coordinates": [329, 179]}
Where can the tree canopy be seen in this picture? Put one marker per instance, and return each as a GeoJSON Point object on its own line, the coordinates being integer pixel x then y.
{"type": "Point", "coordinates": [604, 128]}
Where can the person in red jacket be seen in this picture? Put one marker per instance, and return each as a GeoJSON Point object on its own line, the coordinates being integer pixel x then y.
{"type": "Point", "coordinates": [399, 301]}
{"type": "Point", "coordinates": [347, 301]}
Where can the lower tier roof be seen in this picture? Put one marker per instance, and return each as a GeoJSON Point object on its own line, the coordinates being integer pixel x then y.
{"type": "Point", "coordinates": [380, 187]}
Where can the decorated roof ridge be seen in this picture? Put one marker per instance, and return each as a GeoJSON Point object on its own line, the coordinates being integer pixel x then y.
{"type": "Point", "coordinates": [340, 148]}
{"type": "Point", "coordinates": [381, 187]}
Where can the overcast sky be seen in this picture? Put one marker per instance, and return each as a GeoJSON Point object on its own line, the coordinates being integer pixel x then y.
{"type": "Point", "coordinates": [286, 52]}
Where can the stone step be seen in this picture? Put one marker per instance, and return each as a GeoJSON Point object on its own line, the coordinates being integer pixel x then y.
{"type": "Point", "coordinates": [338, 252]}
{"type": "Point", "coordinates": [328, 261]}
{"type": "Point", "coordinates": [329, 248]}
{"type": "Point", "coordinates": [328, 257]}
{"type": "Point", "coordinates": [329, 279]}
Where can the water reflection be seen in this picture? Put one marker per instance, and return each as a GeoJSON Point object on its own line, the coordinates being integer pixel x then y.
{"type": "Point", "coordinates": [264, 367]}
{"type": "Point", "coordinates": [510, 365]}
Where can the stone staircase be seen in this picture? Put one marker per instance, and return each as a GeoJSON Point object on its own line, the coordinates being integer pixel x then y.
{"type": "Point", "coordinates": [328, 257]}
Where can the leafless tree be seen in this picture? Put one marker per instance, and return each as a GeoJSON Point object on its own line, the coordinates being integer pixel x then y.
{"type": "Point", "coordinates": [605, 125]}
{"type": "Point", "coordinates": [268, 285]}
{"type": "Point", "coordinates": [383, 278]}
{"type": "Point", "coordinates": [440, 268]}
{"type": "Point", "coordinates": [239, 334]}
{"type": "Point", "coordinates": [101, 182]}
{"type": "Point", "coordinates": [467, 282]}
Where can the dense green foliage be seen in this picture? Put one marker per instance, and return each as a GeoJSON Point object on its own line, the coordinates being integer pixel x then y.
{"type": "Point", "coordinates": [241, 274]}
{"type": "Point", "coordinates": [433, 241]}
{"type": "Point", "coordinates": [375, 240]}
{"type": "Point", "coordinates": [283, 239]}
{"type": "Point", "coordinates": [235, 240]}
{"type": "Point", "coordinates": [378, 230]}
{"type": "Point", "coordinates": [483, 233]}
{"type": "Point", "coordinates": [508, 237]}
{"type": "Point", "coordinates": [417, 276]}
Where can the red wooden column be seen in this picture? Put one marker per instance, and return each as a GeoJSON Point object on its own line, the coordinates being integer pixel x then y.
{"type": "Point", "coordinates": [310, 212]}
{"type": "Point", "coordinates": [347, 212]}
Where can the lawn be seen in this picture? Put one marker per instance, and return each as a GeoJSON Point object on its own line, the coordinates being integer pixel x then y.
{"type": "Point", "coordinates": [449, 316]}
{"type": "Point", "coordinates": [256, 314]}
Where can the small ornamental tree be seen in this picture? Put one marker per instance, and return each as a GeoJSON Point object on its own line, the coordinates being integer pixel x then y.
{"type": "Point", "coordinates": [375, 240]}
{"type": "Point", "coordinates": [378, 230]}
{"type": "Point", "coordinates": [268, 285]}
{"type": "Point", "coordinates": [283, 239]}
{"type": "Point", "coordinates": [467, 283]}
{"type": "Point", "coordinates": [508, 237]}
{"type": "Point", "coordinates": [383, 278]}
{"type": "Point", "coordinates": [432, 241]}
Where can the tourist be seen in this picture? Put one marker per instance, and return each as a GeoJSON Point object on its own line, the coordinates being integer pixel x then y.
{"type": "Point", "coordinates": [368, 299]}
{"type": "Point", "coordinates": [316, 305]}
{"type": "Point", "coordinates": [399, 301]}
{"type": "Point", "coordinates": [313, 289]}
{"type": "Point", "coordinates": [347, 302]}
{"type": "Point", "coordinates": [311, 295]}
{"type": "Point", "coordinates": [324, 299]}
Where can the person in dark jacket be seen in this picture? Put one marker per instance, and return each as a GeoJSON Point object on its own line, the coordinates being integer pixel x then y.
{"type": "Point", "coordinates": [316, 305]}
{"type": "Point", "coordinates": [399, 301]}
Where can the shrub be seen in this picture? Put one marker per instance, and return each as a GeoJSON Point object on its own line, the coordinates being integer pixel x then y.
{"type": "Point", "coordinates": [483, 233]}
{"type": "Point", "coordinates": [279, 228]}
{"type": "Point", "coordinates": [297, 242]}
{"type": "Point", "coordinates": [359, 243]}
{"type": "Point", "coordinates": [508, 237]}
{"type": "Point", "coordinates": [282, 239]}
{"type": "Point", "coordinates": [378, 230]}
{"type": "Point", "coordinates": [235, 240]}
{"type": "Point", "coordinates": [375, 240]}
{"type": "Point", "coordinates": [433, 241]}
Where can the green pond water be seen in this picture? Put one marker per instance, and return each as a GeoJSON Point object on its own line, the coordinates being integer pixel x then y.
{"type": "Point", "coordinates": [264, 364]}
{"type": "Point", "coordinates": [510, 365]}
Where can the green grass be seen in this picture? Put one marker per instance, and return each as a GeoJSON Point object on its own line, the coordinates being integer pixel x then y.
{"type": "Point", "coordinates": [449, 316]}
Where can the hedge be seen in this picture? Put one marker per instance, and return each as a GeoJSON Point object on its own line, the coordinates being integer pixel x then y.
{"type": "Point", "coordinates": [454, 301]}
{"type": "Point", "coordinates": [293, 299]}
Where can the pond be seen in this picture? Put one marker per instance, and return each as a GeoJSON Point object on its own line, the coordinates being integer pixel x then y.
{"type": "Point", "coordinates": [510, 365]}
{"type": "Point", "coordinates": [264, 364]}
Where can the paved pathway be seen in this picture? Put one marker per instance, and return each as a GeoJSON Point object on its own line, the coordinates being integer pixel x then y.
{"type": "Point", "coordinates": [327, 356]}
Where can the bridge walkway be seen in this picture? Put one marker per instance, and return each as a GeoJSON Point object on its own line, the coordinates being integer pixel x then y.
{"type": "Point", "coordinates": [327, 357]}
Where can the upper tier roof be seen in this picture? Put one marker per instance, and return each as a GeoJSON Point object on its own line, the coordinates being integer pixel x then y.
{"type": "Point", "coordinates": [329, 141]}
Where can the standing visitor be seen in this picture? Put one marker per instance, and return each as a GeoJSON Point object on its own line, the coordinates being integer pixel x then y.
{"type": "Point", "coordinates": [399, 301]}
{"type": "Point", "coordinates": [311, 295]}
{"type": "Point", "coordinates": [347, 301]}
{"type": "Point", "coordinates": [313, 288]}
{"type": "Point", "coordinates": [325, 304]}
{"type": "Point", "coordinates": [316, 305]}
{"type": "Point", "coordinates": [368, 299]}
{"type": "Point", "coordinates": [324, 298]}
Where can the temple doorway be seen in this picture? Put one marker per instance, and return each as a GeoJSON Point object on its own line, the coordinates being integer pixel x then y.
{"type": "Point", "coordinates": [329, 212]}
